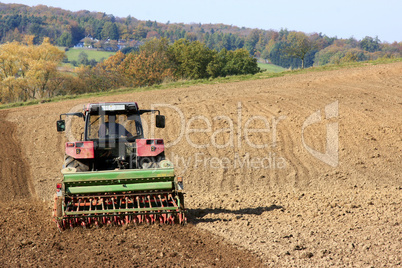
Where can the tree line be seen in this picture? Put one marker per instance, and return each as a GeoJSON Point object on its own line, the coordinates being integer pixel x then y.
{"type": "Point", "coordinates": [158, 61]}
{"type": "Point", "coordinates": [299, 50]}
{"type": "Point", "coordinates": [289, 49]}
{"type": "Point", "coordinates": [29, 71]}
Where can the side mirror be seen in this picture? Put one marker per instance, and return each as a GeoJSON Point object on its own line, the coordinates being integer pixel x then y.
{"type": "Point", "coordinates": [160, 121]}
{"type": "Point", "coordinates": [61, 125]}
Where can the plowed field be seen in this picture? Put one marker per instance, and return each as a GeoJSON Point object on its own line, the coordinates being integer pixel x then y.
{"type": "Point", "coordinates": [302, 170]}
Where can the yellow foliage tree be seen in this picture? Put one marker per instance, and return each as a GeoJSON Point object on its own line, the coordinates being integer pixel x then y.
{"type": "Point", "coordinates": [26, 70]}
{"type": "Point", "coordinates": [110, 69]}
{"type": "Point", "coordinates": [145, 70]}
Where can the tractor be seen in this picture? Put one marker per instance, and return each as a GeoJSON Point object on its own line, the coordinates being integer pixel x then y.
{"type": "Point", "coordinates": [114, 175]}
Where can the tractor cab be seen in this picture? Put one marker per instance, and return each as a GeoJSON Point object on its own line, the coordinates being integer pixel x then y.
{"type": "Point", "coordinates": [114, 138]}
{"type": "Point", "coordinates": [104, 122]}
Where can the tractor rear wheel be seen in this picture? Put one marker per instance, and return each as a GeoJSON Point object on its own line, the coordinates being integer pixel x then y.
{"type": "Point", "coordinates": [71, 162]}
{"type": "Point", "coordinates": [59, 212]}
{"type": "Point", "coordinates": [181, 197]}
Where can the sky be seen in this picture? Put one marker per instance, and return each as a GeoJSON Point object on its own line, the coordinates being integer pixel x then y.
{"type": "Point", "coordinates": [340, 18]}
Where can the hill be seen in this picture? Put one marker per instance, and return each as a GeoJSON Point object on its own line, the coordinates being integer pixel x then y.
{"type": "Point", "coordinates": [280, 202]}
{"type": "Point", "coordinates": [105, 31]}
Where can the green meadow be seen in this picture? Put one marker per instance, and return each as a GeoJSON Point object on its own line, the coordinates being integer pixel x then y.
{"type": "Point", "coordinates": [72, 54]}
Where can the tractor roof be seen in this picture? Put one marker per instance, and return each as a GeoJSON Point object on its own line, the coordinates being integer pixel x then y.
{"type": "Point", "coordinates": [112, 107]}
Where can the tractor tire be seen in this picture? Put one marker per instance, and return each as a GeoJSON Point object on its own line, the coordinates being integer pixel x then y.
{"type": "Point", "coordinates": [181, 197]}
{"type": "Point", "coordinates": [59, 212]}
{"type": "Point", "coordinates": [70, 162]}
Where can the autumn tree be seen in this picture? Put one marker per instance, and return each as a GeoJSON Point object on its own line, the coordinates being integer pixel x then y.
{"type": "Point", "coordinates": [43, 63]}
{"type": "Point", "coordinates": [145, 70]}
{"type": "Point", "coordinates": [190, 59]}
{"type": "Point", "coordinates": [27, 70]}
{"type": "Point", "coordinates": [298, 46]}
{"type": "Point", "coordinates": [111, 72]}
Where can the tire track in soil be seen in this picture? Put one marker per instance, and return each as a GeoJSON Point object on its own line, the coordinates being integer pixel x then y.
{"type": "Point", "coordinates": [15, 173]}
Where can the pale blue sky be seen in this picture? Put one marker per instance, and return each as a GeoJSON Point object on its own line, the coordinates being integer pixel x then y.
{"type": "Point", "coordinates": [341, 18]}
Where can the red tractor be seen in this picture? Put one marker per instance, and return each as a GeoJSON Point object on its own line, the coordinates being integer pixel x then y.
{"type": "Point", "coordinates": [115, 175]}
{"type": "Point", "coordinates": [114, 139]}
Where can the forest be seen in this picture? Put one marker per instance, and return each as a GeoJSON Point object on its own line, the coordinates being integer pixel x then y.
{"type": "Point", "coordinates": [151, 52]}
{"type": "Point", "coordinates": [105, 31]}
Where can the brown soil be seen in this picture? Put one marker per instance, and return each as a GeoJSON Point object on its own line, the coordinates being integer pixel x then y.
{"type": "Point", "coordinates": [291, 210]}
{"type": "Point", "coordinates": [28, 238]}
{"type": "Point", "coordinates": [15, 175]}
